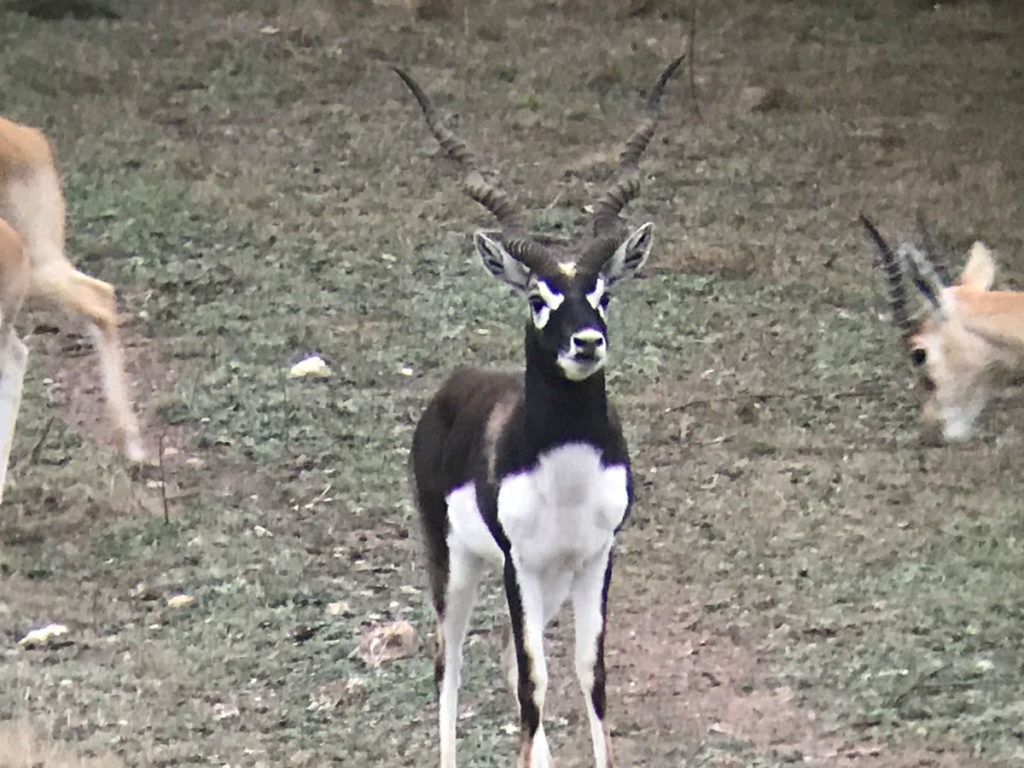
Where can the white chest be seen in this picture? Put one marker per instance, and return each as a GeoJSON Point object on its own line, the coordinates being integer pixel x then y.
{"type": "Point", "coordinates": [564, 510]}
{"type": "Point", "coordinates": [556, 515]}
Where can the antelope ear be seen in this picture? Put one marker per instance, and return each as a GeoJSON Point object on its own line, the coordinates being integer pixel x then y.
{"type": "Point", "coordinates": [980, 270]}
{"type": "Point", "coordinates": [630, 255]}
{"type": "Point", "coordinates": [499, 262]}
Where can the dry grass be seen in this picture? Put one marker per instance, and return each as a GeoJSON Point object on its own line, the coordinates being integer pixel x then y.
{"type": "Point", "coordinates": [21, 746]}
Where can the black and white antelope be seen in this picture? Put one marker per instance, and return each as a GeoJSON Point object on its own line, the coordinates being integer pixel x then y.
{"type": "Point", "coordinates": [530, 471]}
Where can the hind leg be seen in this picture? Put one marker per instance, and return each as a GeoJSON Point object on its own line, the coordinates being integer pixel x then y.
{"type": "Point", "coordinates": [455, 573]}
{"type": "Point", "coordinates": [60, 282]}
{"type": "Point", "coordinates": [119, 402]}
{"type": "Point", "coordinates": [464, 574]}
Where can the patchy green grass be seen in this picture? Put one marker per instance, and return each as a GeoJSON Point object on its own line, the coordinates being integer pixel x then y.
{"type": "Point", "coordinates": [802, 577]}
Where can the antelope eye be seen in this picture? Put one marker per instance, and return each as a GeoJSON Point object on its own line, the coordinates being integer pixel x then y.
{"type": "Point", "coordinates": [604, 301]}
{"type": "Point", "coordinates": [537, 304]}
{"type": "Point", "coordinates": [918, 357]}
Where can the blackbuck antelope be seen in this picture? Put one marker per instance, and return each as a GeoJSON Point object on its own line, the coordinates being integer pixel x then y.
{"type": "Point", "coordinates": [32, 212]}
{"type": "Point", "coordinates": [531, 472]}
{"type": "Point", "coordinates": [969, 339]}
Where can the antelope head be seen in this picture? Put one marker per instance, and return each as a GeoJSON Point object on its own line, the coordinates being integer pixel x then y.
{"type": "Point", "coordinates": [965, 340]}
{"type": "Point", "coordinates": [567, 284]}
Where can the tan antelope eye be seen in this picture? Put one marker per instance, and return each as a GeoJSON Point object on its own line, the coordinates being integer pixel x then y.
{"type": "Point", "coordinates": [918, 357]}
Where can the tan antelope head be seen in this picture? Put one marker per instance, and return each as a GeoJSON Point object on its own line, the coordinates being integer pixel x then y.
{"type": "Point", "coordinates": [968, 337]}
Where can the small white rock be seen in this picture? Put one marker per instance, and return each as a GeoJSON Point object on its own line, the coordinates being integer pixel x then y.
{"type": "Point", "coordinates": [43, 635]}
{"type": "Point", "coordinates": [337, 609]}
{"type": "Point", "coordinates": [180, 601]}
{"type": "Point", "coordinates": [310, 366]}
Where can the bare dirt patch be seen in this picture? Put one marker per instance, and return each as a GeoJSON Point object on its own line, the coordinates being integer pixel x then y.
{"type": "Point", "coordinates": [686, 674]}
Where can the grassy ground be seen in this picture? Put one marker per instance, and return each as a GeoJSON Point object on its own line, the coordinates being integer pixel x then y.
{"type": "Point", "coordinates": [803, 578]}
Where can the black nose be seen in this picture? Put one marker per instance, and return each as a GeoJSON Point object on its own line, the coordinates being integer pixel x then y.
{"type": "Point", "coordinates": [585, 345]}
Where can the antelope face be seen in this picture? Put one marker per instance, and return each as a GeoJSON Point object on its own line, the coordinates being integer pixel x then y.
{"type": "Point", "coordinates": [969, 336]}
{"type": "Point", "coordinates": [568, 300]}
{"type": "Point", "coordinates": [955, 370]}
{"type": "Point", "coordinates": [568, 319]}
{"type": "Point", "coordinates": [567, 291]}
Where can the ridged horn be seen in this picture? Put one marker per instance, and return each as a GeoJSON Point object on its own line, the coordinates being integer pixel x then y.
{"type": "Point", "coordinates": [923, 274]}
{"type": "Point", "coordinates": [532, 255]}
{"type": "Point", "coordinates": [893, 270]}
{"type": "Point", "coordinates": [936, 253]}
{"type": "Point", "coordinates": [488, 195]}
{"type": "Point", "coordinates": [597, 253]}
{"type": "Point", "coordinates": [627, 185]}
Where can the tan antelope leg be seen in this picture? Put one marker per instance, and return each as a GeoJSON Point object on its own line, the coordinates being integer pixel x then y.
{"type": "Point", "coordinates": [12, 375]}
{"type": "Point", "coordinates": [95, 300]}
{"type": "Point", "coordinates": [119, 403]}
{"type": "Point", "coordinates": [32, 204]}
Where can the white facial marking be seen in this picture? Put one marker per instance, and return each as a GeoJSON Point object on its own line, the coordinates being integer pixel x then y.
{"type": "Point", "coordinates": [567, 268]}
{"type": "Point", "coordinates": [551, 297]}
{"type": "Point", "coordinates": [958, 420]}
{"type": "Point", "coordinates": [540, 312]}
{"type": "Point", "coordinates": [595, 296]}
{"type": "Point", "coordinates": [589, 335]}
{"type": "Point", "coordinates": [586, 354]}
{"type": "Point", "coordinates": [576, 370]}
{"type": "Point", "coordinates": [957, 425]}
{"type": "Point", "coordinates": [543, 301]}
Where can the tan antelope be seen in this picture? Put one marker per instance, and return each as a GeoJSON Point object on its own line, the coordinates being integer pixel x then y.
{"type": "Point", "coordinates": [970, 338]}
{"type": "Point", "coordinates": [14, 284]}
{"type": "Point", "coordinates": [31, 204]}
{"type": "Point", "coordinates": [529, 472]}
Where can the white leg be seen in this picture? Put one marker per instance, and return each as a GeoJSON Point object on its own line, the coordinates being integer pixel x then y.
{"type": "Point", "coordinates": [463, 578]}
{"type": "Point", "coordinates": [556, 588]}
{"type": "Point", "coordinates": [589, 594]}
{"type": "Point", "coordinates": [525, 592]}
{"type": "Point", "coordinates": [12, 374]}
